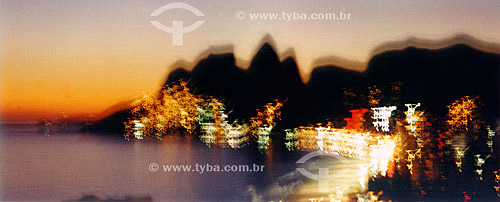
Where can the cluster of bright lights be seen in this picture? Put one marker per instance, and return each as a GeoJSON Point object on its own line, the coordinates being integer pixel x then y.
{"type": "Point", "coordinates": [343, 142]}
{"type": "Point", "coordinates": [356, 121]}
{"type": "Point", "coordinates": [422, 133]}
{"type": "Point", "coordinates": [412, 117]}
{"type": "Point", "coordinates": [138, 129]}
{"type": "Point", "coordinates": [460, 112]}
{"type": "Point", "coordinates": [381, 154]}
{"type": "Point", "coordinates": [178, 110]}
{"type": "Point", "coordinates": [292, 139]}
{"type": "Point", "coordinates": [479, 163]}
{"type": "Point", "coordinates": [416, 125]}
{"type": "Point", "coordinates": [369, 197]}
{"type": "Point", "coordinates": [262, 124]}
{"type": "Point", "coordinates": [157, 115]}
{"type": "Point", "coordinates": [236, 136]}
{"type": "Point", "coordinates": [232, 135]}
{"type": "Point", "coordinates": [381, 117]}
{"type": "Point", "coordinates": [321, 136]}
{"type": "Point", "coordinates": [378, 150]}
{"type": "Point", "coordinates": [375, 96]}
{"type": "Point", "coordinates": [459, 145]}
{"type": "Point", "coordinates": [497, 182]}
{"type": "Point", "coordinates": [489, 142]}
{"type": "Point", "coordinates": [208, 133]}
{"type": "Point", "coordinates": [306, 138]}
{"type": "Point", "coordinates": [263, 137]}
{"type": "Point", "coordinates": [467, 197]}
{"type": "Point", "coordinates": [410, 157]}
{"type": "Point", "coordinates": [267, 116]}
{"type": "Point", "coordinates": [212, 133]}
{"type": "Point", "coordinates": [382, 151]}
{"type": "Point", "coordinates": [222, 133]}
{"type": "Point", "coordinates": [213, 123]}
{"type": "Point", "coordinates": [362, 175]}
{"type": "Point", "coordinates": [441, 144]}
{"type": "Point", "coordinates": [459, 155]}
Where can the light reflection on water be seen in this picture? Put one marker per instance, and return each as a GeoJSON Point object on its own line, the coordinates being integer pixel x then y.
{"type": "Point", "coordinates": [69, 165]}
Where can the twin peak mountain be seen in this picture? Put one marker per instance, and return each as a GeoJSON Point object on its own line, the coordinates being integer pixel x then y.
{"type": "Point", "coordinates": [433, 77]}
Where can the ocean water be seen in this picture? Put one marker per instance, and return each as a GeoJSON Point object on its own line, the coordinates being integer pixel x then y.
{"type": "Point", "coordinates": [67, 166]}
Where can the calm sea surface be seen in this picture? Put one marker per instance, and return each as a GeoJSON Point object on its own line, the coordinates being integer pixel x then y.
{"type": "Point", "coordinates": [67, 166]}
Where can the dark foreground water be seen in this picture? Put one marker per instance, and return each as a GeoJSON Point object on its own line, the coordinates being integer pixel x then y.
{"type": "Point", "coordinates": [67, 166]}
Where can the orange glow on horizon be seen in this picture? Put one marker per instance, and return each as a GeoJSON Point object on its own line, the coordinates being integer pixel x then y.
{"type": "Point", "coordinates": [84, 56]}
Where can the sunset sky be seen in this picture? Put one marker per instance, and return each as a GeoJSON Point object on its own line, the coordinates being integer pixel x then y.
{"type": "Point", "coordinates": [85, 56]}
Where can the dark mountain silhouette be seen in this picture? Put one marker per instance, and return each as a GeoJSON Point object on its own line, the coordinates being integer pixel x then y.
{"type": "Point", "coordinates": [432, 77]}
{"type": "Point", "coordinates": [437, 77]}
{"type": "Point", "coordinates": [294, 90]}
{"type": "Point", "coordinates": [112, 124]}
{"type": "Point", "coordinates": [243, 91]}
{"type": "Point", "coordinates": [325, 91]}
{"type": "Point", "coordinates": [460, 38]}
{"type": "Point", "coordinates": [123, 105]}
{"type": "Point", "coordinates": [177, 75]}
{"type": "Point", "coordinates": [266, 76]}
{"type": "Point", "coordinates": [218, 76]}
{"type": "Point", "coordinates": [291, 79]}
